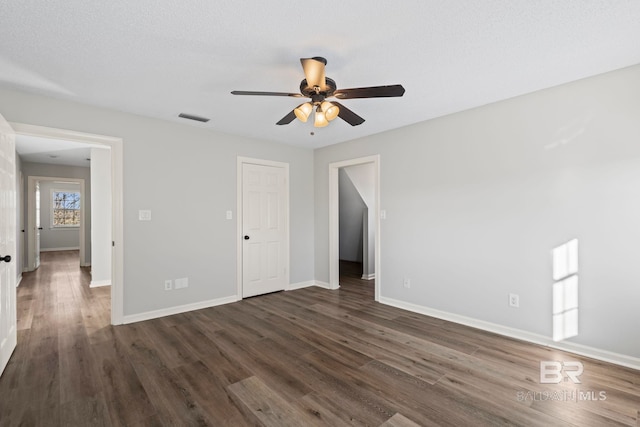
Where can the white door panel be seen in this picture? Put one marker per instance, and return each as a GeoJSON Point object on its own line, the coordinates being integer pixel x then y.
{"type": "Point", "coordinates": [264, 219]}
{"type": "Point", "coordinates": [8, 320]}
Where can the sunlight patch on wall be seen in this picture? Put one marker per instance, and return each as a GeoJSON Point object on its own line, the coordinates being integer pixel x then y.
{"type": "Point", "coordinates": [565, 290]}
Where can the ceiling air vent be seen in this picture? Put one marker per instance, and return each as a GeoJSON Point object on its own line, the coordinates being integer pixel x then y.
{"type": "Point", "coordinates": [192, 117]}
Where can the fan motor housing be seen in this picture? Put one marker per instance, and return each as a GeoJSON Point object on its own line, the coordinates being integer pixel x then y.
{"type": "Point", "coordinates": [310, 92]}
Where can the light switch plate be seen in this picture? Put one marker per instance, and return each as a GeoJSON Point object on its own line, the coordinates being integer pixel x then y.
{"type": "Point", "coordinates": [144, 215]}
{"type": "Point", "coordinates": [229, 214]}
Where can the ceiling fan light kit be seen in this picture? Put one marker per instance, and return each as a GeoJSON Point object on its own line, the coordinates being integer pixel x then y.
{"type": "Point", "coordinates": [320, 121]}
{"type": "Point", "coordinates": [303, 111]}
{"type": "Point", "coordinates": [318, 87]}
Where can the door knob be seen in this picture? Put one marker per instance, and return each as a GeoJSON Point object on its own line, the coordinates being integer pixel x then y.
{"type": "Point", "coordinates": [39, 228]}
{"type": "Point", "coordinates": [246, 237]}
{"type": "Point", "coordinates": [6, 258]}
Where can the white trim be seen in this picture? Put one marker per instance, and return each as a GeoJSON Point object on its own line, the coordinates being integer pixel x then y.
{"type": "Point", "coordinates": [239, 215]}
{"type": "Point", "coordinates": [371, 276]}
{"type": "Point", "coordinates": [154, 314]}
{"type": "Point", "coordinates": [300, 285]}
{"type": "Point", "coordinates": [325, 285]}
{"type": "Point", "coordinates": [334, 214]}
{"type": "Point", "coordinates": [72, 248]}
{"type": "Point", "coordinates": [117, 188]}
{"type": "Point", "coordinates": [583, 350]}
{"type": "Point", "coordinates": [99, 283]}
{"type": "Point", "coordinates": [19, 280]}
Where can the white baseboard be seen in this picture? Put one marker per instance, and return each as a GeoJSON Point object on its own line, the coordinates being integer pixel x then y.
{"type": "Point", "coordinates": [371, 276]}
{"type": "Point", "coordinates": [99, 283]}
{"type": "Point", "coordinates": [583, 350]}
{"type": "Point", "coordinates": [18, 280]}
{"type": "Point", "coordinates": [321, 284]}
{"type": "Point", "coordinates": [85, 264]}
{"type": "Point", "coordinates": [154, 314]}
{"type": "Point", "coordinates": [300, 285]}
{"type": "Point", "coordinates": [75, 248]}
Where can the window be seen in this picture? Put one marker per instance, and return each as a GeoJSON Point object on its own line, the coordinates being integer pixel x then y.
{"type": "Point", "coordinates": [66, 209]}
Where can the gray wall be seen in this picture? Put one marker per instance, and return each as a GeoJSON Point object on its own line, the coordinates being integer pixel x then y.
{"type": "Point", "coordinates": [363, 179]}
{"type": "Point", "coordinates": [187, 177]}
{"type": "Point", "coordinates": [476, 201]}
{"type": "Point", "coordinates": [58, 171]}
{"type": "Point", "coordinates": [351, 208]}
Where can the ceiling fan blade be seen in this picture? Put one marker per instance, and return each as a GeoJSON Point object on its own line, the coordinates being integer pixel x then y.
{"type": "Point", "coordinates": [347, 115]}
{"type": "Point", "coordinates": [250, 92]}
{"type": "Point", "coordinates": [287, 119]}
{"type": "Point", "coordinates": [314, 71]}
{"type": "Point", "coordinates": [370, 92]}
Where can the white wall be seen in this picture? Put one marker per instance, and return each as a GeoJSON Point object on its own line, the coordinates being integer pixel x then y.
{"type": "Point", "coordinates": [186, 176]}
{"type": "Point", "coordinates": [57, 171]}
{"type": "Point", "coordinates": [475, 202]}
{"type": "Point", "coordinates": [101, 217]}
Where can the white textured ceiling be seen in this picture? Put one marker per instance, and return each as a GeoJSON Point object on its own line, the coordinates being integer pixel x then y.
{"type": "Point", "coordinates": [35, 149]}
{"type": "Point", "coordinates": [159, 58]}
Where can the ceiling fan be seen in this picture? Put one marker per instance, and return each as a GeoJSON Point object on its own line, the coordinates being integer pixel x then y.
{"type": "Point", "coordinates": [318, 88]}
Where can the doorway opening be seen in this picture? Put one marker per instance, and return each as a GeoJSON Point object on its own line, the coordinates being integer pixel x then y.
{"type": "Point", "coordinates": [364, 175]}
{"type": "Point", "coordinates": [106, 232]}
{"type": "Point", "coordinates": [56, 219]}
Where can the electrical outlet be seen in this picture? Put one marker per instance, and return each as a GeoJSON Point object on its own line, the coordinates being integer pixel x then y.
{"type": "Point", "coordinates": [407, 283]}
{"type": "Point", "coordinates": [182, 283]}
{"type": "Point", "coordinates": [168, 285]}
{"type": "Point", "coordinates": [514, 300]}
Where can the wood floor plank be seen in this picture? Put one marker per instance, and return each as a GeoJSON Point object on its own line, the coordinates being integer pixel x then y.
{"type": "Point", "coordinates": [399, 420]}
{"type": "Point", "coordinates": [264, 404]}
{"type": "Point", "coordinates": [208, 392]}
{"type": "Point", "coordinates": [224, 367]}
{"type": "Point", "coordinates": [175, 404]}
{"type": "Point", "coordinates": [267, 364]}
{"type": "Point", "coordinates": [357, 402]}
{"type": "Point", "coordinates": [127, 401]}
{"type": "Point", "coordinates": [90, 411]}
{"type": "Point", "coordinates": [167, 344]}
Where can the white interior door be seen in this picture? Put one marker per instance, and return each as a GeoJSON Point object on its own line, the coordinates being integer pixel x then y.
{"type": "Point", "coordinates": [264, 229]}
{"type": "Point", "coordinates": [8, 320]}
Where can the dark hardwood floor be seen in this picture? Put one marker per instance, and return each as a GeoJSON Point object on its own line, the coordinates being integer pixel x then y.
{"type": "Point", "coordinates": [308, 357]}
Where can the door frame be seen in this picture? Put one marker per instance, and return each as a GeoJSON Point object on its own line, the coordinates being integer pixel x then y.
{"type": "Point", "coordinates": [116, 148]}
{"type": "Point", "coordinates": [239, 218]}
{"type": "Point", "coordinates": [31, 217]}
{"type": "Point", "coordinates": [334, 220]}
